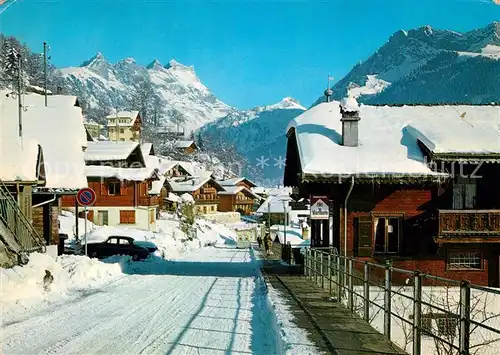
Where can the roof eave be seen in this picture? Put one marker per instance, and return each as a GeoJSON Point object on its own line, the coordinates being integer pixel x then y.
{"type": "Point", "coordinates": [379, 178]}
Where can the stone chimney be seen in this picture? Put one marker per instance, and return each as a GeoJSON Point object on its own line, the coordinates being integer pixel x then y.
{"type": "Point", "coordinates": [349, 108]}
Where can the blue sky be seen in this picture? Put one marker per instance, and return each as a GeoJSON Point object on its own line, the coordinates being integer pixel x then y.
{"type": "Point", "coordinates": [248, 53]}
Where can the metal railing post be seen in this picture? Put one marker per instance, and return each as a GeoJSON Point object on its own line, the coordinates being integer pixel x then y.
{"type": "Point", "coordinates": [321, 269]}
{"type": "Point", "coordinates": [329, 265]}
{"type": "Point", "coordinates": [417, 313]}
{"type": "Point", "coordinates": [387, 302]}
{"type": "Point", "coordinates": [305, 262]}
{"type": "Point", "coordinates": [464, 318]}
{"type": "Point", "coordinates": [350, 294]}
{"type": "Point", "coordinates": [316, 266]}
{"type": "Point", "coordinates": [366, 293]}
{"type": "Point", "coordinates": [339, 279]}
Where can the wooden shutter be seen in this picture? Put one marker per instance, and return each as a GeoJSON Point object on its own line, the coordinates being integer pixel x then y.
{"type": "Point", "coordinates": [364, 236]}
{"type": "Point", "coordinates": [104, 188]}
{"type": "Point", "coordinates": [470, 194]}
{"type": "Point", "coordinates": [127, 217]}
{"type": "Point", "coordinates": [122, 188]}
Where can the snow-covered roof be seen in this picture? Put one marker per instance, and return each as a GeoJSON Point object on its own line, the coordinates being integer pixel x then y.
{"type": "Point", "coordinates": [194, 168]}
{"type": "Point", "coordinates": [183, 144]}
{"type": "Point", "coordinates": [235, 181]}
{"type": "Point", "coordinates": [388, 138]}
{"type": "Point", "coordinates": [58, 130]}
{"type": "Point", "coordinates": [124, 114]}
{"type": "Point", "coordinates": [157, 185]}
{"type": "Point", "coordinates": [109, 150]}
{"type": "Point", "coordinates": [275, 204]}
{"type": "Point", "coordinates": [130, 174]}
{"type": "Point", "coordinates": [191, 184]}
{"type": "Point", "coordinates": [152, 162]}
{"type": "Point", "coordinates": [131, 117]}
{"type": "Point", "coordinates": [233, 190]}
{"type": "Point", "coordinates": [90, 122]}
{"type": "Point", "coordinates": [147, 148]}
{"type": "Point", "coordinates": [173, 197]}
{"type": "Point", "coordinates": [33, 99]}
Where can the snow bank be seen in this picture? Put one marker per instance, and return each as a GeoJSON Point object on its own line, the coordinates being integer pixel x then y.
{"type": "Point", "coordinates": [67, 225]}
{"type": "Point", "coordinates": [23, 286]}
{"type": "Point", "coordinates": [296, 339]}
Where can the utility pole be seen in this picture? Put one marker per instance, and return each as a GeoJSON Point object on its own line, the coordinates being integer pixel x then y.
{"type": "Point", "coordinates": [45, 71]}
{"type": "Point", "coordinates": [19, 93]}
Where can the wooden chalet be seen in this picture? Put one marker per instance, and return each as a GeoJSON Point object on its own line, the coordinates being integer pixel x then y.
{"type": "Point", "coordinates": [205, 191]}
{"type": "Point", "coordinates": [118, 173]}
{"type": "Point", "coordinates": [237, 196]}
{"type": "Point", "coordinates": [185, 146]}
{"type": "Point", "coordinates": [47, 165]}
{"type": "Point", "coordinates": [415, 185]}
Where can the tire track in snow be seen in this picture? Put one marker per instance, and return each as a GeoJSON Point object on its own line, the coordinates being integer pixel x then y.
{"type": "Point", "coordinates": [151, 314]}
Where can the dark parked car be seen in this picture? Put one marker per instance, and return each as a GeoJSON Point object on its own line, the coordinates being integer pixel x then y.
{"type": "Point", "coordinates": [118, 245]}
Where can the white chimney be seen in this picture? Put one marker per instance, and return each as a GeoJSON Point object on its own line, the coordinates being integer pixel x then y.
{"type": "Point", "coordinates": [349, 108]}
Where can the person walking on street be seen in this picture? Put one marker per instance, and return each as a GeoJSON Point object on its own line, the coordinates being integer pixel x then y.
{"type": "Point", "coordinates": [268, 243]}
{"type": "Point", "coordinates": [259, 240]}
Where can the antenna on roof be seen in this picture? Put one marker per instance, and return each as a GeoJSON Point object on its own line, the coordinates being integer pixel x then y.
{"type": "Point", "coordinates": [329, 91]}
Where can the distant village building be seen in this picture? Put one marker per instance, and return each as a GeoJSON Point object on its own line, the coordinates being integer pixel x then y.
{"type": "Point", "coordinates": [124, 126]}
{"type": "Point", "coordinates": [237, 196]}
{"type": "Point", "coordinates": [203, 189]}
{"type": "Point", "coordinates": [402, 185]}
{"type": "Point", "coordinates": [185, 146]}
{"type": "Point", "coordinates": [93, 128]}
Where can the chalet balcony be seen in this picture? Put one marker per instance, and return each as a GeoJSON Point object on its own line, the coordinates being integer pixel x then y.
{"type": "Point", "coordinates": [244, 202]}
{"type": "Point", "coordinates": [206, 201]}
{"type": "Point", "coordinates": [469, 226]}
{"type": "Point", "coordinates": [149, 201]}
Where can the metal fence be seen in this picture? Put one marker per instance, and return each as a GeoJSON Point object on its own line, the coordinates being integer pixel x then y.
{"type": "Point", "coordinates": [421, 313]}
{"type": "Point", "coordinates": [17, 223]}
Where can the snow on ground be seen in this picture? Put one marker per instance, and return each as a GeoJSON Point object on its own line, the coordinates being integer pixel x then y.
{"type": "Point", "coordinates": [22, 288]}
{"type": "Point", "coordinates": [67, 225]}
{"type": "Point", "coordinates": [490, 51]}
{"type": "Point", "coordinates": [169, 238]}
{"type": "Point", "coordinates": [212, 301]}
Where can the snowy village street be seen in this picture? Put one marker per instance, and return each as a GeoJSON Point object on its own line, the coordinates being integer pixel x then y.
{"type": "Point", "coordinates": [212, 301]}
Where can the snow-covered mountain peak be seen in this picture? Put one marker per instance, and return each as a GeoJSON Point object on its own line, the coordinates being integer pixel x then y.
{"type": "Point", "coordinates": [128, 60]}
{"type": "Point", "coordinates": [403, 69]}
{"type": "Point", "coordinates": [287, 103]}
{"type": "Point", "coordinates": [97, 59]}
{"type": "Point", "coordinates": [427, 29]}
{"type": "Point", "coordinates": [175, 65]}
{"type": "Point", "coordinates": [155, 65]}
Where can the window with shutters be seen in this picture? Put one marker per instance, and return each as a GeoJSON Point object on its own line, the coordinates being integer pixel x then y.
{"type": "Point", "coordinates": [464, 193]}
{"type": "Point", "coordinates": [387, 234]}
{"type": "Point", "coordinates": [114, 188]}
{"type": "Point", "coordinates": [127, 217]}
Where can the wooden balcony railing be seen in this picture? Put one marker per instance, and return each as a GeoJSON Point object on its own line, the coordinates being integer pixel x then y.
{"type": "Point", "coordinates": [244, 202]}
{"type": "Point", "coordinates": [206, 202]}
{"type": "Point", "coordinates": [469, 223]}
{"type": "Point", "coordinates": [149, 201]}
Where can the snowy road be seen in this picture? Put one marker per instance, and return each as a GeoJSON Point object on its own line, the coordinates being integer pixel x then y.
{"type": "Point", "coordinates": [211, 302]}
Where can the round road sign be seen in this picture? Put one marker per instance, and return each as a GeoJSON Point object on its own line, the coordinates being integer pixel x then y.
{"type": "Point", "coordinates": [86, 196]}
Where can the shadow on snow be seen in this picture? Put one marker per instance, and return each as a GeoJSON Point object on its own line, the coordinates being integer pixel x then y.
{"type": "Point", "coordinates": [265, 336]}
